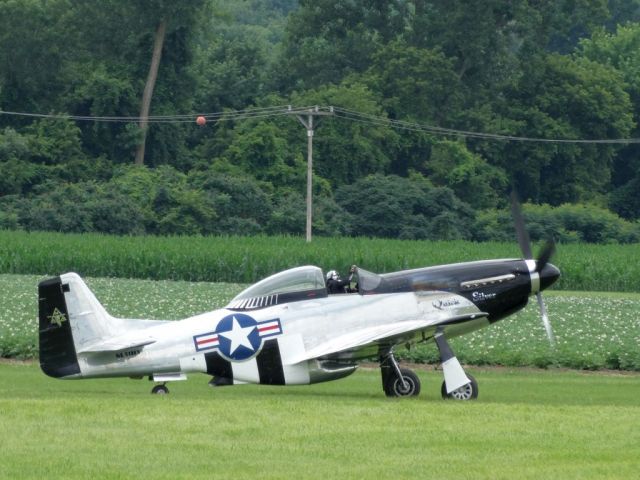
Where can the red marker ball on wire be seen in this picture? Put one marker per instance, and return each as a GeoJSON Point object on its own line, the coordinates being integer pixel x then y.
{"type": "Point", "coordinates": [201, 120]}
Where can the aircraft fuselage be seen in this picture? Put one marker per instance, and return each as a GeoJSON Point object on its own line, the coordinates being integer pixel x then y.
{"type": "Point", "coordinates": [298, 342]}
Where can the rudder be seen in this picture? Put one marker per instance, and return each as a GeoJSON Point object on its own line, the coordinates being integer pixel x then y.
{"type": "Point", "coordinates": [57, 350]}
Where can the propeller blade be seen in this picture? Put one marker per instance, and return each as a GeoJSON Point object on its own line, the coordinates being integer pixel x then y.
{"type": "Point", "coordinates": [545, 320]}
{"type": "Point", "coordinates": [525, 246]}
{"type": "Point", "coordinates": [521, 230]}
{"type": "Point", "coordinates": [545, 255]}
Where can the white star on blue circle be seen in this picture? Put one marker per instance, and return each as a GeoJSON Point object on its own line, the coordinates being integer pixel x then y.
{"type": "Point", "coordinates": [239, 338]}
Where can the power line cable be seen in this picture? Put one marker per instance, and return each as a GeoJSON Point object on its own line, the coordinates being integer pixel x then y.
{"type": "Point", "coordinates": [341, 113]}
{"type": "Point", "coordinates": [184, 118]}
{"type": "Point", "coordinates": [417, 127]}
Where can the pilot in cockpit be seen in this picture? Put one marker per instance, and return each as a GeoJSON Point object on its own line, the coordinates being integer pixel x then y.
{"type": "Point", "coordinates": [337, 285]}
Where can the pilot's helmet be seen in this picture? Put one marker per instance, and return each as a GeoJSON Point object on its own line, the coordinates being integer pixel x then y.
{"type": "Point", "coordinates": [332, 274]}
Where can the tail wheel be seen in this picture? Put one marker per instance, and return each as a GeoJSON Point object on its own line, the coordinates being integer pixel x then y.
{"type": "Point", "coordinates": [160, 390]}
{"type": "Point", "coordinates": [466, 392]}
{"type": "Point", "coordinates": [395, 387]}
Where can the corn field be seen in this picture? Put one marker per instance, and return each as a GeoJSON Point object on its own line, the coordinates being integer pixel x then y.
{"type": "Point", "coordinates": [232, 259]}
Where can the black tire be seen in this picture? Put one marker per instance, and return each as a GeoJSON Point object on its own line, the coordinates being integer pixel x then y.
{"type": "Point", "coordinates": [466, 392]}
{"type": "Point", "coordinates": [220, 382]}
{"type": "Point", "coordinates": [394, 386]}
{"type": "Point", "coordinates": [160, 390]}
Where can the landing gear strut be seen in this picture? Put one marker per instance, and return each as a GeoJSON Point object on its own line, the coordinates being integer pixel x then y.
{"type": "Point", "coordinates": [396, 381]}
{"type": "Point", "coordinates": [457, 384]}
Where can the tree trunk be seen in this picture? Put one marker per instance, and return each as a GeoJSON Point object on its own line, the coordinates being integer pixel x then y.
{"type": "Point", "coordinates": [148, 88]}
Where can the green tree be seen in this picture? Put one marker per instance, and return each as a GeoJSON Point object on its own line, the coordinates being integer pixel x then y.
{"type": "Point", "coordinates": [471, 177]}
{"type": "Point", "coordinates": [566, 223]}
{"type": "Point", "coordinates": [48, 151]}
{"type": "Point", "coordinates": [345, 151]}
{"type": "Point", "coordinates": [32, 59]}
{"type": "Point", "coordinates": [396, 207]}
{"type": "Point", "coordinates": [241, 205]}
{"type": "Point", "coordinates": [80, 207]}
{"type": "Point", "coordinates": [327, 40]}
{"type": "Point", "coordinates": [262, 149]}
{"type": "Point", "coordinates": [560, 97]}
{"type": "Point", "coordinates": [17, 173]}
{"type": "Point", "coordinates": [235, 50]}
{"type": "Point", "coordinates": [479, 38]}
{"type": "Point", "coordinates": [231, 69]}
{"type": "Point", "coordinates": [415, 83]}
{"type": "Point", "coordinates": [621, 51]}
{"type": "Point", "coordinates": [123, 45]}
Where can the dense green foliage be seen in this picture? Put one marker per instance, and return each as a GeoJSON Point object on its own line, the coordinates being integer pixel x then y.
{"type": "Point", "coordinates": [547, 69]}
{"type": "Point", "coordinates": [248, 259]}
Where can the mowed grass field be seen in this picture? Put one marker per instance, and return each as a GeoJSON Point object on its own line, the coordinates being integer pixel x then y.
{"type": "Point", "coordinates": [528, 424]}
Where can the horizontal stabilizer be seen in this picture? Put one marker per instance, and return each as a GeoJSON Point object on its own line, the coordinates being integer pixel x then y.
{"type": "Point", "coordinates": [168, 377]}
{"type": "Point", "coordinates": [117, 345]}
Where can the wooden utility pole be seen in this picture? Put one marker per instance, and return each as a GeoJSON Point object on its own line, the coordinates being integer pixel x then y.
{"type": "Point", "coordinates": [306, 118]}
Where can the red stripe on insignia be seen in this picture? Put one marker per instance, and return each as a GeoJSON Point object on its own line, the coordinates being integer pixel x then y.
{"type": "Point", "coordinates": [269, 327]}
{"type": "Point", "coordinates": [208, 340]}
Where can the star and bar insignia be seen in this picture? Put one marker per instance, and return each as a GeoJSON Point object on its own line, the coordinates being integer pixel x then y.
{"type": "Point", "coordinates": [238, 336]}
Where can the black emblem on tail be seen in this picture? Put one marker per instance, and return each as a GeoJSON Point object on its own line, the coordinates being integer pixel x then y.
{"type": "Point", "coordinates": [57, 351]}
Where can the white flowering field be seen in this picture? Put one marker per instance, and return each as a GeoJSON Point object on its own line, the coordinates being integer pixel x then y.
{"type": "Point", "coordinates": [593, 330]}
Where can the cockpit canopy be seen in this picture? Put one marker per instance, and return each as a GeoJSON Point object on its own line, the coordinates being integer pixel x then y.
{"type": "Point", "coordinates": [296, 284]}
{"type": "Point", "coordinates": [368, 282]}
{"type": "Point", "coordinates": [301, 283]}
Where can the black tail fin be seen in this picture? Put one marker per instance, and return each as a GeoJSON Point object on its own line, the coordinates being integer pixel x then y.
{"type": "Point", "coordinates": [57, 350]}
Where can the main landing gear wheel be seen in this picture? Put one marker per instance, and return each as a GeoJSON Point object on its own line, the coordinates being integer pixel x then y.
{"type": "Point", "coordinates": [160, 390]}
{"type": "Point", "coordinates": [396, 381]}
{"type": "Point", "coordinates": [407, 386]}
{"type": "Point", "coordinates": [220, 382]}
{"type": "Point", "coordinates": [466, 392]}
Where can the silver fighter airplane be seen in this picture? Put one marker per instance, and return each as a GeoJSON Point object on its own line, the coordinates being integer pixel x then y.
{"type": "Point", "coordinates": [288, 330]}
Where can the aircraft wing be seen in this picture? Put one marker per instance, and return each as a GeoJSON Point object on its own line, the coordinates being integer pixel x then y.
{"type": "Point", "coordinates": [388, 334]}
